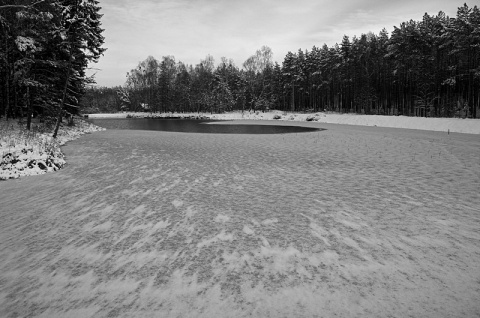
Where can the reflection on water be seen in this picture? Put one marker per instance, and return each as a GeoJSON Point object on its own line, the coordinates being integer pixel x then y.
{"type": "Point", "coordinates": [196, 126]}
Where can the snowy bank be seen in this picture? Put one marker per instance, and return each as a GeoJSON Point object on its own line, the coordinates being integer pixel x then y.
{"type": "Point", "coordinates": [24, 153]}
{"type": "Point", "coordinates": [467, 126]}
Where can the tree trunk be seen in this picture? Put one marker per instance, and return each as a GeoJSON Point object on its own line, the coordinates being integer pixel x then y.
{"type": "Point", "coordinates": [293, 97]}
{"type": "Point", "coordinates": [7, 86]}
{"type": "Point", "coordinates": [62, 105]}
{"type": "Point", "coordinates": [59, 120]}
{"type": "Point", "coordinates": [29, 110]}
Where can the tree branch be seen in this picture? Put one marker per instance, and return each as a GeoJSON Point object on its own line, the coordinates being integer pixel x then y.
{"type": "Point", "coordinates": [19, 6]}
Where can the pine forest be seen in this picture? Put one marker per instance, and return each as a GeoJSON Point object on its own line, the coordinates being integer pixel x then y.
{"type": "Point", "coordinates": [428, 68]}
{"type": "Point", "coordinates": [45, 49]}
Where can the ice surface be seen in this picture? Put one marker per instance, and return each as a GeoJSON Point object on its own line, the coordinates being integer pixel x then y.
{"type": "Point", "coordinates": [348, 222]}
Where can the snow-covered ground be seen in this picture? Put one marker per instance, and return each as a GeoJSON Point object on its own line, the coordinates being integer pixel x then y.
{"type": "Point", "coordinates": [24, 153]}
{"type": "Point", "coordinates": [467, 126]}
{"type": "Point", "coordinates": [350, 221]}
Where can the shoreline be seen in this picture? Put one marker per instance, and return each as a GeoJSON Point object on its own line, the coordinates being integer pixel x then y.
{"type": "Point", "coordinates": [24, 153]}
{"type": "Point", "coordinates": [454, 125]}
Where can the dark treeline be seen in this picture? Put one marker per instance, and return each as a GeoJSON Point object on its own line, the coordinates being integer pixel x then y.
{"type": "Point", "coordinates": [45, 48]}
{"type": "Point", "coordinates": [424, 68]}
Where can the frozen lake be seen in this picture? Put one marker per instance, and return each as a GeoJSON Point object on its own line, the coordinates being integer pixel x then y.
{"type": "Point", "coordinates": [348, 222]}
{"type": "Point", "coordinates": [200, 126]}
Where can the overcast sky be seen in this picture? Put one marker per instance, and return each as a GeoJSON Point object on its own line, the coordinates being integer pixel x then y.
{"type": "Point", "coordinates": [191, 29]}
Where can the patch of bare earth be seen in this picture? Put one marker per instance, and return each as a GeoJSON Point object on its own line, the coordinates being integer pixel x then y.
{"type": "Point", "coordinates": [347, 222]}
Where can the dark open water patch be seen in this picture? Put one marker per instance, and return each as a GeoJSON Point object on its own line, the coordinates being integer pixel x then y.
{"type": "Point", "coordinates": [196, 126]}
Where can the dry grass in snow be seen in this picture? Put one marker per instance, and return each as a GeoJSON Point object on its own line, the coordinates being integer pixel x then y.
{"type": "Point", "coordinates": [34, 152]}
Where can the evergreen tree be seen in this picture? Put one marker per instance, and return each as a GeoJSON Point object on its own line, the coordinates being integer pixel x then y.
{"type": "Point", "coordinates": [46, 48]}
